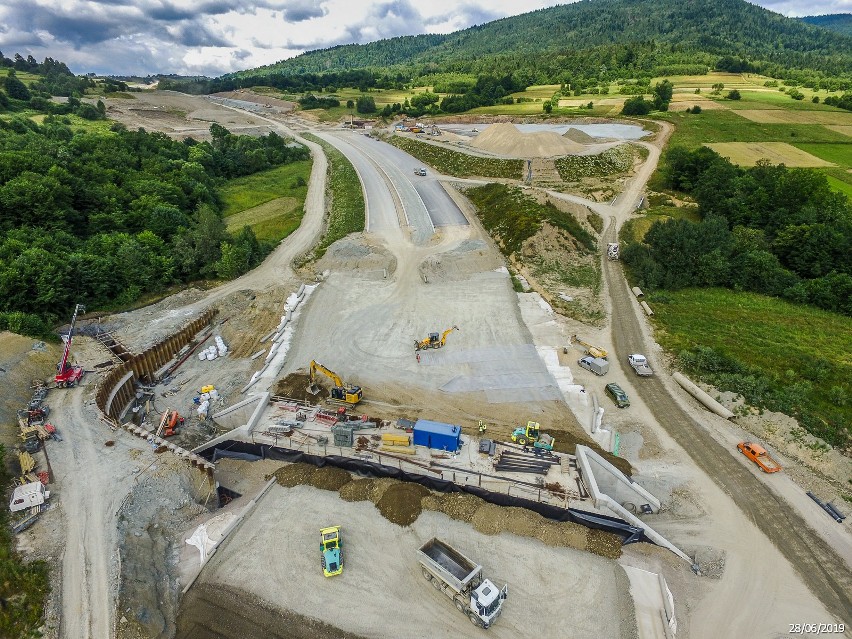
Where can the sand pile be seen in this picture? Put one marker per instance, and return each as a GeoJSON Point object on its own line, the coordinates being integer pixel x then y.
{"type": "Point", "coordinates": [578, 136]}
{"type": "Point", "coordinates": [506, 139]}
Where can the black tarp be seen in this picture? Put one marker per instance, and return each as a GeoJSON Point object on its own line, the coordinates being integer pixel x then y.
{"type": "Point", "coordinates": [246, 450]}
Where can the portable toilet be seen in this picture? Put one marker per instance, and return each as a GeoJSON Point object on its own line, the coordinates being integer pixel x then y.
{"type": "Point", "coordinates": [437, 435]}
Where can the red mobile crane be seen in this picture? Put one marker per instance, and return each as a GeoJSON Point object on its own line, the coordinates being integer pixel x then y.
{"type": "Point", "coordinates": [66, 374]}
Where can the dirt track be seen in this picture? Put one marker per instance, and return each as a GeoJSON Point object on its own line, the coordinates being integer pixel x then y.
{"type": "Point", "coordinates": [816, 563]}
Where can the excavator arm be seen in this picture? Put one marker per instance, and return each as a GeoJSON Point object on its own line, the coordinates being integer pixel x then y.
{"type": "Point", "coordinates": [340, 392]}
{"type": "Point", "coordinates": [316, 366]}
{"type": "Point", "coordinates": [447, 332]}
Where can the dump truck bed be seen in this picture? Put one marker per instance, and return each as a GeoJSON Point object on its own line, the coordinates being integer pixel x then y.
{"type": "Point", "coordinates": [448, 563]}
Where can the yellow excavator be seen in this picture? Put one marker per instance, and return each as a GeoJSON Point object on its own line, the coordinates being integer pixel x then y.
{"type": "Point", "coordinates": [340, 392]}
{"type": "Point", "coordinates": [435, 340]}
{"type": "Point", "coordinates": [594, 351]}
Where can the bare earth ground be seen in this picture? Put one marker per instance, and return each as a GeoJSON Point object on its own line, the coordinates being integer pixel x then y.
{"type": "Point", "coordinates": [380, 558]}
{"type": "Point", "coordinates": [362, 324]}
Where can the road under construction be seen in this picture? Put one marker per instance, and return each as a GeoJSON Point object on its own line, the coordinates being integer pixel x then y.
{"type": "Point", "coordinates": [739, 555]}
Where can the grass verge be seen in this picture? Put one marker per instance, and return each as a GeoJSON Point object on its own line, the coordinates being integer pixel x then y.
{"type": "Point", "coordinates": [459, 164]}
{"type": "Point", "coordinates": [609, 162]}
{"type": "Point", "coordinates": [780, 356]}
{"type": "Point", "coordinates": [512, 217]}
{"type": "Point", "coordinates": [347, 212]}
{"type": "Point", "coordinates": [23, 585]}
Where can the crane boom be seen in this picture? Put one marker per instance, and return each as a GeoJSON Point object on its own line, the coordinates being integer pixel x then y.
{"type": "Point", "coordinates": [67, 375]}
{"type": "Point", "coordinates": [594, 351]}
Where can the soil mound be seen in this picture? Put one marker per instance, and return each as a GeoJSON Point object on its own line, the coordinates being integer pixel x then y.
{"type": "Point", "coordinates": [329, 478]}
{"type": "Point", "coordinates": [401, 503]}
{"type": "Point", "coordinates": [506, 139]}
{"type": "Point", "coordinates": [294, 474]}
{"type": "Point", "coordinates": [295, 386]}
{"type": "Point", "coordinates": [578, 136]}
{"type": "Point", "coordinates": [459, 506]}
{"type": "Point", "coordinates": [356, 490]}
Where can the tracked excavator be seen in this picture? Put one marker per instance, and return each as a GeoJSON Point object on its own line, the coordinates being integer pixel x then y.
{"type": "Point", "coordinates": [435, 340]}
{"type": "Point", "coordinates": [340, 392]}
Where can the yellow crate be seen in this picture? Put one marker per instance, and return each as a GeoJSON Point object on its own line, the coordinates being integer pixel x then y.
{"type": "Point", "coordinates": [390, 439]}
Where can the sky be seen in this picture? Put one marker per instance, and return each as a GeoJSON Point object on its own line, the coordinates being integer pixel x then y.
{"type": "Point", "coordinates": [213, 37]}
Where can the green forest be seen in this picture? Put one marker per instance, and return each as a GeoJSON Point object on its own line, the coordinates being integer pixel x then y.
{"type": "Point", "coordinates": [768, 229]}
{"type": "Point", "coordinates": [104, 217]}
{"type": "Point", "coordinates": [619, 38]}
{"type": "Point", "coordinates": [584, 46]}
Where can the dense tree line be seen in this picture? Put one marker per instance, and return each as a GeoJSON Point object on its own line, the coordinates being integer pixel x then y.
{"type": "Point", "coordinates": [595, 37]}
{"type": "Point", "coordinates": [311, 101]}
{"type": "Point", "coordinates": [768, 229]}
{"type": "Point", "coordinates": [56, 78]}
{"type": "Point", "coordinates": [103, 218]}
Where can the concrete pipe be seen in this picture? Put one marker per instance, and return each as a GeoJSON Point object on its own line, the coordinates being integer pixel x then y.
{"type": "Point", "coordinates": [710, 403]}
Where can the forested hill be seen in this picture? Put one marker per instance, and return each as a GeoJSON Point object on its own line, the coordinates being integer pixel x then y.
{"type": "Point", "coordinates": [713, 28]}
{"type": "Point", "coordinates": [839, 22]}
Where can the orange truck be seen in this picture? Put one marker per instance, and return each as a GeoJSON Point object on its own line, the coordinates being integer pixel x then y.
{"type": "Point", "coordinates": [759, 456]}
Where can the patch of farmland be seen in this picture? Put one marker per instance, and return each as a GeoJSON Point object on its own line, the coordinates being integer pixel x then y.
{"type": "Point", "coordinates": [784, 116]}
{"type": "Point", "coordinates": [748, 154]}
{"type": "Point", "coordinates": [845, 129]}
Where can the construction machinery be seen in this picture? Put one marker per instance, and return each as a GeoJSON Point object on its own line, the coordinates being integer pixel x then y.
{"type": "Point", "coordinates": [531, 434]}
{"type": "Point", "coordinates": [172, 422]}
{"type": "Point", "coordinates": [67, 374]}
{"type": "Point", "coordinates": [594, 351]}
{"type": "Point", "coordinates": [340, 392]}
{"type": "Point", "coordinates": [331, 549]}
{"type": "Point", "coordinates": [461, 580]}
{"type": "Point", "coordinates": [434, 340]}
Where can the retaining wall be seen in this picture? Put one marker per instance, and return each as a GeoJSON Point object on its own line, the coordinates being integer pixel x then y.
{"type": "Point", "coordinates": [117, 388]}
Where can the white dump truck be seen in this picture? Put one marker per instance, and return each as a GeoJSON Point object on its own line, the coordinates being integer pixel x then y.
{"type": "Point", "coordinates": [461, 580]}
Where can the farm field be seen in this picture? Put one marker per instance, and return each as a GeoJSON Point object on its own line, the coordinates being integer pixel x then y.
{"type": "Point", "coordinates": [844, 129]}
{"type": "Point", "coordinates": [839, 154]}
{"type": "Point", "coordinates": [793, 116]}
{"type": "Point", "coordinates": [750, 153]}
{"type": "Point", "coordinates": [269, 202]}
{"type": "Point", "coordinates": [724, 125]}
{"type": "Point", "coordinates": [764, 335]}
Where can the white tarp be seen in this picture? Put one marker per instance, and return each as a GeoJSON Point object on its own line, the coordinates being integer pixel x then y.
{"type": "Point", "coordinates": [209, 534]}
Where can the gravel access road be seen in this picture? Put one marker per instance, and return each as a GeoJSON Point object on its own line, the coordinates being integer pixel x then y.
{"type": "Point", "coordinates": [817, 564]}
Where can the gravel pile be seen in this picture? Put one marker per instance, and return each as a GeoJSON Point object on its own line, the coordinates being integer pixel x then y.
{"type": "Point", "coordinates": [356, 490]}
{"type": "Point", "coordinates": [402, 502]}
{"type": "Point", "coordinates": [603, 543]}
{"type": "Point", "coordinates": [459, 506]}
{"type": "Point", "coordinates": [329, 478]}
{"type": "Point", "coordinates": [293, 474]}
